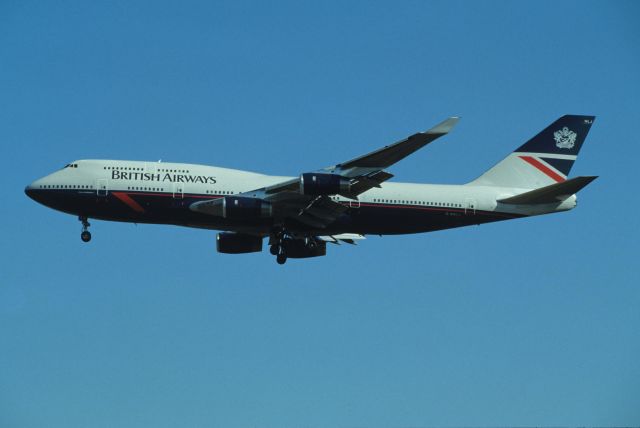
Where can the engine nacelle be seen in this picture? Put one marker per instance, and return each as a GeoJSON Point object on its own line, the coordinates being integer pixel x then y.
{"type": "Point", "coordinates": [316, 184]}
{"type": "Point", "coordinates": [238, 243]}
{"type": "Point", "coordinates": [239, 207]}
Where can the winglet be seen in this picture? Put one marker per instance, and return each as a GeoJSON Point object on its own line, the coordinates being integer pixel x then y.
{"type": "Point", "coordinates": [444, 127]}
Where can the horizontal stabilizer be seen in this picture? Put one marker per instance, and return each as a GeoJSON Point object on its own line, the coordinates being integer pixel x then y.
{"type": "Point", "coordinates": [549, 194]}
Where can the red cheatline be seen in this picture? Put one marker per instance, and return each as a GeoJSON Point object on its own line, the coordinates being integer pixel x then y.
{"type": "Point", "coordinates": [127, 200]}
{"type": "Point", "coordinates": [540, 166]}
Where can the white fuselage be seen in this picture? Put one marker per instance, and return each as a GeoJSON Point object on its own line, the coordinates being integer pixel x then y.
{"type": "Point", "coordinates": [201, 181]}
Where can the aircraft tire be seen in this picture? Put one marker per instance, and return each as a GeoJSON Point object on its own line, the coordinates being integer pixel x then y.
{"type": "Point", "coordinates": [281, 258]}
{"type": "Point", "coordinates": [85, 236]}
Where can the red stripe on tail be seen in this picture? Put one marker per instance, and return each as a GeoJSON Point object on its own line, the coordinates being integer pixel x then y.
{"type": "Point", "coordinates": [543, 168]}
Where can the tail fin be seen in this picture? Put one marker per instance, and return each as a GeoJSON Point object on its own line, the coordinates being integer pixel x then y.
{"type": "Point", "coordinates": [545, 159]}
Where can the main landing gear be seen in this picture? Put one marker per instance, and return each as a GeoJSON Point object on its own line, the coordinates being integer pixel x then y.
{"type": "Point", "coordinates": [283, 244]}
{"type": "Point", "coordinates": [85, 235]}
{"type": "Point", "coordinates": [278, 246]}
{"type": "Point", "coordinates": [280, 242]}
{"type": "Point", "coordinates": [280, 253]}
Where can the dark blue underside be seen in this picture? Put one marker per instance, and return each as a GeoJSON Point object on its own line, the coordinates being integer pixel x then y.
{"type": "Point", "coordinates": [164, 208]}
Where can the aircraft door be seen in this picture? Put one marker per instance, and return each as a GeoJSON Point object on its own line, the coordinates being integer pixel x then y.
{"type": "Point", "coordinates": [178, 190]}
{"type": "Point", "coordinates": [470, 207]}
{"type": "Point", "coordinates": [102, 187]}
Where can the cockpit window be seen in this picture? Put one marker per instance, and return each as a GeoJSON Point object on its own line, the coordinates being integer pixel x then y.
{"type": "Point", "coordinates": [71, 165]}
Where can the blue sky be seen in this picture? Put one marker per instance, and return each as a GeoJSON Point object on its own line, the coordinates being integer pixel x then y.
{"type": "Point", "coordinates": [529, 322]}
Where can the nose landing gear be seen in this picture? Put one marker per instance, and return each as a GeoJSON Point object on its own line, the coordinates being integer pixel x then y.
{"type": "Point", "coordinates": [85, 235]}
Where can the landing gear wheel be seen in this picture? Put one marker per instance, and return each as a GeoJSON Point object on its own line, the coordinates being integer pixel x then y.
{"type": "Point", "coordinates": [85, 235]}
{"type": "Point", "coordinates": [278, 239]}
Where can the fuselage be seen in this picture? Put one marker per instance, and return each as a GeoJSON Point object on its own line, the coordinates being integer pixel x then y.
{"type": "Point", "coordinates": [161, 193]}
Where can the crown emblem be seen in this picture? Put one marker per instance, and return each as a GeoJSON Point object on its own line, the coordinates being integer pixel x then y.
{"type": "Point", "coordinates": [565, 138]}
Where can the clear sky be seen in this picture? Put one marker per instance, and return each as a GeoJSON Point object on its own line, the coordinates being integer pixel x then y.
{"type": "Point", "coordinates": [528, 322]}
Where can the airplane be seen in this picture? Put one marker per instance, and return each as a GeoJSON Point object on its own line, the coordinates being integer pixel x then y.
{"type": "Point", "coordinates": [338, 204]}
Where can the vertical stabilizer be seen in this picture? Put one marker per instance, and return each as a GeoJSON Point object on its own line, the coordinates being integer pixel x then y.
{"type": "Point", "coordinates": [545, 159]}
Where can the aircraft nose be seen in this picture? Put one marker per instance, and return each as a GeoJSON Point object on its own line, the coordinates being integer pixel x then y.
{"type": "Point", "coordinates": [32, 192]}
{"type": "Point", "coordinates": [29, 191]}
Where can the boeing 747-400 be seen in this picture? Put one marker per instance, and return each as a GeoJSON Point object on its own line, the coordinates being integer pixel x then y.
{"type": "Point", "coordinates": [340, 203]}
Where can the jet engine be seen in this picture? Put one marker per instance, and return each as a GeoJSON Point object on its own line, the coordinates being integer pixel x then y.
{"type": "Point", "coordinates": [238, 207]}
{"type": "Point", "coordinates": [316, 184]}
{"type": "Point", "coordinates": [237, 243]}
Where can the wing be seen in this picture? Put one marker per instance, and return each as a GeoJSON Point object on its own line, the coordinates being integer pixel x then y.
{"type": "Point", "coordinates": [388, 155]}
{"type": "Point", "coordinates": [291, 199]}
{"type": "Point", "coordinates": [367, 171]}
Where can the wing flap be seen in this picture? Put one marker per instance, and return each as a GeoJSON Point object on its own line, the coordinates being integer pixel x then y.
{"type": "Point", "coordinates": [319, 212]}
{"type": "Point", "coordinates": [349, 238]}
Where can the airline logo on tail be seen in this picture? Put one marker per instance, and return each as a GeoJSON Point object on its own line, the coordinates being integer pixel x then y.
{"type": "Point", "coordinates": [565, 138]}
{"type": "Point", "coordinates": [551, 153]}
